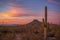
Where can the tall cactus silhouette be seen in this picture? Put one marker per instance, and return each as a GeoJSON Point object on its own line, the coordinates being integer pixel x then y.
{"type": "Point", "coordinates": [45, 23]}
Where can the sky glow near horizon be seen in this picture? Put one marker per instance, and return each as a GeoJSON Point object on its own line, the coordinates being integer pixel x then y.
{"type": "Point", "coordinates": [24, 11]}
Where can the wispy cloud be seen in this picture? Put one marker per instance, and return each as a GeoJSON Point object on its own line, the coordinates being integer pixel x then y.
{"type": "Point", "coordinates": [54, 17]}
{"type": "Point", "coordinates": [17, 11]}
{"type": "Point", "coordinates": [13, 11]}
{"type": "Point", "coordinates": [56, 2]}
{"type": "Point", "coordinates": [15, 20]}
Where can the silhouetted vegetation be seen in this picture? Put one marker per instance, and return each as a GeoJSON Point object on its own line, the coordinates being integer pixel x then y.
{"type": "Point", "coordinates": [29, 32]}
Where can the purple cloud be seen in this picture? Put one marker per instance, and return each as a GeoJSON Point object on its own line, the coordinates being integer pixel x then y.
{"type": "Point", "coordinates": [56, 2]}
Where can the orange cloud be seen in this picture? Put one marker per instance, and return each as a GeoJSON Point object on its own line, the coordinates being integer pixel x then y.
{"type": "Point", "coordinates": [8, 17]}
{"type": "Point", "coordinates": [21, 20]}
{"type": "Point", "coordinates": [12, 21]}
{"type": "Point", "coordinates": [13, 12]}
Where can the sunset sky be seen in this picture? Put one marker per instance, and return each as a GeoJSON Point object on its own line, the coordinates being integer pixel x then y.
{"type": "Point", "coordinates": [24, 11]}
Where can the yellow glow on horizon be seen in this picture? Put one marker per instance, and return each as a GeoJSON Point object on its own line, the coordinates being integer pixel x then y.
{"type": "Point", "coordinates": [12, 16]}
{"type": "Point", "coordinates": [6, 15]}
{"type": "Point", "coordinates": [9, 14]}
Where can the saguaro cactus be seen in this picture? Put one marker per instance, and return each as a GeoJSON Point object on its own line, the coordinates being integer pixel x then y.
{"type": "Point", "coordinates": [45, 24]}
{"type": "Point", "coordinates": [45, 16]}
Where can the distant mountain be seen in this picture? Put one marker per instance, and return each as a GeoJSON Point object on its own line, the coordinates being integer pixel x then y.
{"type": "Point", "coordinates": [9, 24]}
{"type": "Point", "coordinates": [35, 22]}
